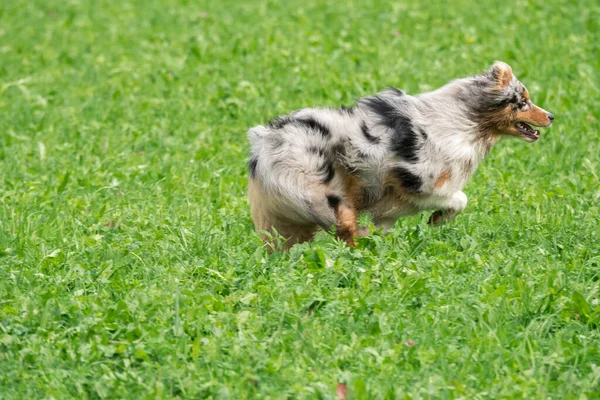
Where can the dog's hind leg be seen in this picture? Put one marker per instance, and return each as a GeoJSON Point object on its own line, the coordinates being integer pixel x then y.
{"type": "Point", "coordinates": [272, 227]}
{"type": "Point", "coordinates": [325, 206]}
{"type": "Point", "coordinates": [293, 234]}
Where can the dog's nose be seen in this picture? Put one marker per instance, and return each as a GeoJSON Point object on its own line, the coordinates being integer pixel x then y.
{"type": "Point", "coordinates": [551, 117]}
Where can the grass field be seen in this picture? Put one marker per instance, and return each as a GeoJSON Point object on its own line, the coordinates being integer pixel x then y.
{"type": "Point", "coordinates": [129, 267]}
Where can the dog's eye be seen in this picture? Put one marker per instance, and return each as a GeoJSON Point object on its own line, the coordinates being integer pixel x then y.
{"type": "Point", "coordinates": [522, 104]}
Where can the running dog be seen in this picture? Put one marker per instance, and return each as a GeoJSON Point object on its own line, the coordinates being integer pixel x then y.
{"type": "Point", "coordinates": [390, 154]}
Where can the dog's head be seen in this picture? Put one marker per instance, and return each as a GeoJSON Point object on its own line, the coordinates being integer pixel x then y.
{"type": "Point", "coordinates": [504, 106]}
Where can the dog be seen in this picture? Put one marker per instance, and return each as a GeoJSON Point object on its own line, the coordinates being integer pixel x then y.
{"type": "Point", "coordinates": [390, 155]}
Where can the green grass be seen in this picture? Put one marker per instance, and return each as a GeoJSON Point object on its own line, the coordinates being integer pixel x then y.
{"type": "Point", "coordinates": [128, 263]}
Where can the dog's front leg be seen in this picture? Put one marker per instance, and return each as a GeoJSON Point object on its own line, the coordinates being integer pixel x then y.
{"type": "Point", "coordinates": [449, 208]}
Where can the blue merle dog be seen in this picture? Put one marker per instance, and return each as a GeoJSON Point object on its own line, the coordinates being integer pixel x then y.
{"type": "Point", "coordinates": [390, 154]}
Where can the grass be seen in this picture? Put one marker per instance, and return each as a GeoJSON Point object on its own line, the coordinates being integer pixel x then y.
{"type": "Point", "coordinates": [128, 263]}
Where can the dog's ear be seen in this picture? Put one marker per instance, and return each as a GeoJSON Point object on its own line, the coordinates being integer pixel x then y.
{"type": "Point", "coordinates": [501, 73]}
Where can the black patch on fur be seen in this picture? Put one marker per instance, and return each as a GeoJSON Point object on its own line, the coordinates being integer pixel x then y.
{"type": "Point", "coordinates": [367, 134]}
{"type": "Point", "coordinates": [408, 180]}
{"type": "Point", "coordinates": [423, 133]}
{"type": "Point", "coordinates": [387, 112]}
{"type": "Point", "coordinates": [404, 139]}
{"type": "Point", "coordinates": [252, 166]}
{"type": "Point", "coordinates": [329, 172]}
{"type": "Point", "coordinates": [280, 122]}
{"type": "Point", "coordinates": [314, 125]}
{"type": "Point", "coordinates": [500, 104]}
{"type": "Point", "coordinates": [333, 200]}
{"type": "Point", "coordinates": [338, 149]}
{"type": "Point", "coordinates": [307, 122]}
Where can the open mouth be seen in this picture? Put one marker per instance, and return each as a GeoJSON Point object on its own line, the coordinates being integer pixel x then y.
{"type": "Point", "coordinates": [527, 131]}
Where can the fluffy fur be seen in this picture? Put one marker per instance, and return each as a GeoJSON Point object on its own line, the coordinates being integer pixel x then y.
{"type": "Point", "coordinates": [390, 154]}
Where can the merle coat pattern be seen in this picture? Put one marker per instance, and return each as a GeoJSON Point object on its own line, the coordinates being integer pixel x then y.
{"type": "Point", "coordinates": [390, 154]}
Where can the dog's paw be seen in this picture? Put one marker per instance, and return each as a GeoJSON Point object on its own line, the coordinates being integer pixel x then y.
{"type": "Point", "coordinates": [441, 217]}
{"type": "Point", "coordinates": [437, 218]}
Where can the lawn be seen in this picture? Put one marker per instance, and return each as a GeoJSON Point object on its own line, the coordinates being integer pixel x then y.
{"type": "Point", "coordinates": [129, 266]}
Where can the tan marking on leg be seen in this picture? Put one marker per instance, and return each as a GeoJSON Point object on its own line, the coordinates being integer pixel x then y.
{"type": "Point", "coordinates": [444, 176]}
{"type": "Point", "coordinates": [353, 187]}
{"type": "Point", "coordinates": [346, 228]}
